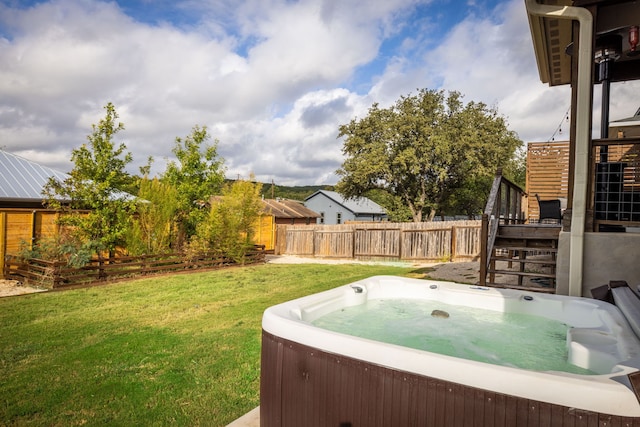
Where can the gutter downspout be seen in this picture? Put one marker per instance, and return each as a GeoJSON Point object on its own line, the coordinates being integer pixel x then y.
{"type": "Point", "coordinates": [585, 59]}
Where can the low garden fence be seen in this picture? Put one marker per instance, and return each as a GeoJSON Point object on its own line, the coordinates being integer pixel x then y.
{"type": "Point", "coordinates": [57, 274]}
{"type": "Point", "coordinates": [428, 241]}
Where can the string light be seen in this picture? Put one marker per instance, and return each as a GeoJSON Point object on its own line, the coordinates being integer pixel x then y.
{"type": "Point", "coordinates": [559, 128]}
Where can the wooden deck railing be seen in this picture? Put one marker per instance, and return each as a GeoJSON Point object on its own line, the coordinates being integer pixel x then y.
{"type": "Point", "coordinates": [614, 182]}
{"type": "Point", "coordinates": [504, 206]}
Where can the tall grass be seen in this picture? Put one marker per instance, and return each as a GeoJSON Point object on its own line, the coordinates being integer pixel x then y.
{"type": "Point", "coordinates": [174, 350]}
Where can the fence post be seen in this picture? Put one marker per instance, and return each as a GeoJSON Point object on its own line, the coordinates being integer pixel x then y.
{"type": "Point", "coordinates": [3, 242]}
{"type": "Point", "coordinates": [353, 243]}
{"type": "Point", "coordinates": [57, 274]}
{"type": "Point", "coordinates": [100, 268]}
{"type": "Point", "coordinates": [454, 232]}
{"type": "Point", "coordinates": [484, 238]}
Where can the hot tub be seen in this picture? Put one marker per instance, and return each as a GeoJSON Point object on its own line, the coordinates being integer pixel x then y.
{"type": "Point", "coordinates": [315, 377]}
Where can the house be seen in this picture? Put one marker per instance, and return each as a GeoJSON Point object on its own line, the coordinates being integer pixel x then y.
{"type": "Point", "coordinates": [22, 181]}
{"type": "Point", "coordinates": [626, 128]}
{"type": "Point", "coordinates": [581, 44]}
{"type": "Point", "coordinates": [281, 212]}
{"type": "Point", "coordinates": [336, 209]}
{"type": "Point", "coordinates": [23, 218]}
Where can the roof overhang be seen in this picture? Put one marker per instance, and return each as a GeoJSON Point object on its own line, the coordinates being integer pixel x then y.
{"type": "Point", "coordinates": [552, 38]}
{"type": "Point", "coordinates": [625, 124]}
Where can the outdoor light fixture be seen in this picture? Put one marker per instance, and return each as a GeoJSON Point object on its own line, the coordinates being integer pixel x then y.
{"type": "Point", "coordinates": [608, 48]}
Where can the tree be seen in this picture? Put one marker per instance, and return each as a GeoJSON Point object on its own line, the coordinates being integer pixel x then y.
{"type": "Point", "coordinates": [196, 176]}
{"type": "Point", "coordinates": [470, 199]}
{"type": "Point", "coordinates": [152, 230]}
{"type": "Point", "coordinates": [396, 210]}
{"type": "Point", "coordinates": [516, 169]}
{"type": "Point", "coordinates": [232, 221]}
{"type": "Point", "coordinates": [96, 186]}
{"type": "Point", "coordinates": [423, 149]}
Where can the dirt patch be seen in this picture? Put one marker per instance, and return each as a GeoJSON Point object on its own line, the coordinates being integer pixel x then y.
{"type": "Point", "coordinates": [13, 287]}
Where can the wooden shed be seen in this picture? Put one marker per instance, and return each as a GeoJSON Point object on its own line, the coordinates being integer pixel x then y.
{"type": "Point", "coordinates": [281, 212]}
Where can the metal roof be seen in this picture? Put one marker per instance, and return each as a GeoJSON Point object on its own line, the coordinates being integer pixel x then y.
{"type": "Point", "coordinates": [288, 209]}
{"type": "Point", "coordinates": [22, 179]}
{"type": "Point", "coordinates": [360, 205]}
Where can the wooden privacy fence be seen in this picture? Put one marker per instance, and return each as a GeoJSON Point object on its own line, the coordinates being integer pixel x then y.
{"type": "Point", "coordinates": [449, 240]}
{"type": "Point", "coordinates": [57, 274]}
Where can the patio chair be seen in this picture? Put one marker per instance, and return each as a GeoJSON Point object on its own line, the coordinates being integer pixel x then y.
{"type": "Point", "coordinates": [549, 210]}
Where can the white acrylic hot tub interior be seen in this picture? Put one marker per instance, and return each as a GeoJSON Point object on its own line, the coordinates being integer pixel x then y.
{"type": "Point", "coordinates": [599, 339]}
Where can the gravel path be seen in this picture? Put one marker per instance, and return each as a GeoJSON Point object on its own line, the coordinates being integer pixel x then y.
{"type": "Point", "coordinates": [13, 287]}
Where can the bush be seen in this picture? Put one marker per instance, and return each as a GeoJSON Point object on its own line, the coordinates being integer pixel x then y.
{"type": "Point", "coordinates": [60, 248]}
{"type": "Point", "coordinates": [230, 227]}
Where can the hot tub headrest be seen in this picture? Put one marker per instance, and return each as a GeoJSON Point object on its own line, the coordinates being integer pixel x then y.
{"type": "Point", "coordinates": [604, 292]}
{"type": "Point", "coordinates": [625, 298]}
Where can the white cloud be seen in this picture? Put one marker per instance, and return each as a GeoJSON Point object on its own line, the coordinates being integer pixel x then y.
{"type": "Point", "coordinates": [67, 59]}
{"type": "Point", "coordinates": [272, 79]}
{"type": "Point", "coordinates": [299, 147]}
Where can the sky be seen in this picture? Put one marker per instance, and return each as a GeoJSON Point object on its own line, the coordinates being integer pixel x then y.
{"type": "Point", "coordinates": [272, 80]}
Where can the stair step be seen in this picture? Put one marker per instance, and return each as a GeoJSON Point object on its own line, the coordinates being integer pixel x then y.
{"type": "Point", "coordinates": [525, 260]}
{"type": "Point", "coordinates": [522, 273]}
{"type": "Point", "coordinates": [525, 248]}
{"type": "Point", "coordinates": [525, 242]}
{"type": "Point", "coordinates": [550, 231]}
{"type": "Point", "coordinates": [531, 237]}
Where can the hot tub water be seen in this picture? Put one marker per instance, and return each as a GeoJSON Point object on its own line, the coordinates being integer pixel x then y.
{"type": "Point", "coordinates": [508, 339]}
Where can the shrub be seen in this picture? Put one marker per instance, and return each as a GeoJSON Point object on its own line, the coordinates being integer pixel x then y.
{"type": "Point", "coordinates": [63, 248]}
{"type": "Point", "coordinates": [230, 227]}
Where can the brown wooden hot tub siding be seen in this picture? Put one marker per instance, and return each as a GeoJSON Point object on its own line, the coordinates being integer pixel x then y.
{"type": "Point", "coordinates": [303, 386]}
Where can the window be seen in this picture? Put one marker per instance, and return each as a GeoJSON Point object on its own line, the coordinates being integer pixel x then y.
{"type": "Point", "coordinates": [339, 218]}
{"type": "Point", "coordinates": [321, 219]}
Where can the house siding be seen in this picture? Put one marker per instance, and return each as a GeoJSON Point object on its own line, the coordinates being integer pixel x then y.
{"type": "Point", "coordinates": [329, 208]}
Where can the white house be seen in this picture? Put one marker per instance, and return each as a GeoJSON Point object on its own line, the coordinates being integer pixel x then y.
{"type": "Point", "coordinates": [335, 209]}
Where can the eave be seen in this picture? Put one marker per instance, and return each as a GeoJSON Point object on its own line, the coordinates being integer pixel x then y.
{"type": "Point", "coordinates": [552, 39]}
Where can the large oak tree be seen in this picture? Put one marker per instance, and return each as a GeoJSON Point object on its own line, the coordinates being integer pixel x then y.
{"type": "Point", "coordinates": [423, 149]}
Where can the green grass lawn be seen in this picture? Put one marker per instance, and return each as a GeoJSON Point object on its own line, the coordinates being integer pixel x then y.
{"type": "Point", "coordinates": [181, 350]}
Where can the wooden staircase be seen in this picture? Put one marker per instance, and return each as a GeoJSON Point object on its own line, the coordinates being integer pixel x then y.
{"type": "Point", "coordinates": [524, 257]}
{"type": "Point", "coordinates": [515, 254]}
